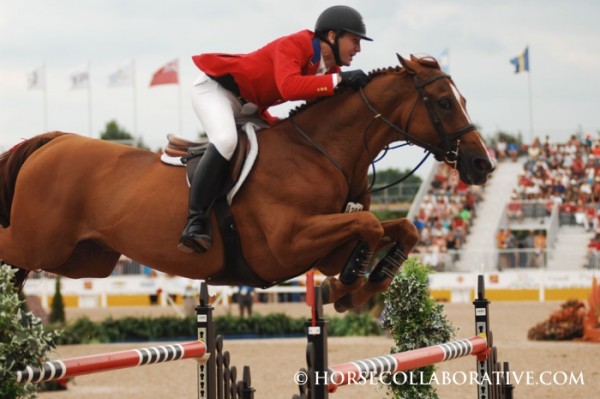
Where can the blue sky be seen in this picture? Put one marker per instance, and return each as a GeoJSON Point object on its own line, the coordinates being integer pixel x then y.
{"type": "Point", "coordinates": [482, 36]}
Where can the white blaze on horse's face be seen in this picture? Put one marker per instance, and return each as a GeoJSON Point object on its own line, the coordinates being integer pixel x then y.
{"type": "Point", "coordinates": [460, 101]}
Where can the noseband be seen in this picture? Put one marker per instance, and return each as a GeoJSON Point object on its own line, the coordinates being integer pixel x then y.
{"type": "Point", "coordinates": [449, 141]}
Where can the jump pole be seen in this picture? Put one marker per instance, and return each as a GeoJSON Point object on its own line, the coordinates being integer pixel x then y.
{"type": "Point", "coordinates": [217, 379]}
{"type": "Point", "coordinates": [76, 366]}
{"type": "Point", "coordinates": [362, 370]}
{"type": "Point", "coordinates": [480, 346]}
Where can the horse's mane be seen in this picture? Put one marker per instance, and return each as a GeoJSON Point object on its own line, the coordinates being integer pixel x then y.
{"type": "Point", "coordinates": [372, 74]}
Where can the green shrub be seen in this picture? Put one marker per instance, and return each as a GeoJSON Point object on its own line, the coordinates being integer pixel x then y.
{"type": "Point", "coordinates": [353, 324]}
{"type": "Point", "coordinates": [23, 340]}
{"type": "Point", "coordinates": [83, 330]}
{"type": "Point", "coordinates": [415, 321]}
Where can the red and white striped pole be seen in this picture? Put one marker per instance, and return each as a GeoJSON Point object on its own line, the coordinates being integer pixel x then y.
{"type": "Point", "coordinates": [361, 370]}
{"type": "Point", "coordinates": [66, 368]}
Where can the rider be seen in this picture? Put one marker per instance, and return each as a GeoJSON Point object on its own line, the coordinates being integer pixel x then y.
{"type": "Point", "coordinates": [300, 66]}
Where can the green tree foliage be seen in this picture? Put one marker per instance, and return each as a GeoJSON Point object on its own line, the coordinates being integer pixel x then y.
{"type": "Point", "coordinates": [113, 132]}
{"type": "Point", "coordinates": [415, 321]}
{"type": "Point", "coordinates": [57, 313]}
{"type": "Point", "coordinates": [23, 340]}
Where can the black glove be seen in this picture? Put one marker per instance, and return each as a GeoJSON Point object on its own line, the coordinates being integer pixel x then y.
{"type": "Point", "coordinates": [355, 79]}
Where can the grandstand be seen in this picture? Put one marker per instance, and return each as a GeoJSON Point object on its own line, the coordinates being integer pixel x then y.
{"type": "Point", "coordinates": [539, 210]}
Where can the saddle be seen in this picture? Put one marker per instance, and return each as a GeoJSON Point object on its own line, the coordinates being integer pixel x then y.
{"type": "Point", "coordinates": [183, 152]}
{"type": "Point", "coordinates": [190, 152]}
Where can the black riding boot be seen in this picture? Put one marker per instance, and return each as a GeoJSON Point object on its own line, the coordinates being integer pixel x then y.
{"type": "Point", "coordinates": [207, 181]}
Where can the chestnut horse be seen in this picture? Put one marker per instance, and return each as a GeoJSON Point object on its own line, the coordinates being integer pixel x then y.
{"type": "Point", "coordinates": [72, 205]}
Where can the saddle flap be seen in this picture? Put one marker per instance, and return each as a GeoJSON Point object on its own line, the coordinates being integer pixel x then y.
{"type": "Point", "coordinates": [182, 152]}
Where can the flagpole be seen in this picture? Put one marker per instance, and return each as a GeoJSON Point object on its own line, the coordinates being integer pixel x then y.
{"type": "Point", "coordinates": [89, 67]}
{"type": "Point", "coordinates": [45, 94]}
{"type": "Point", "coordinates": [134, 87]}
{"type": "Point", "coordinates": [530, 100]}
{"type": "Point", "coordinates": [179, 97]}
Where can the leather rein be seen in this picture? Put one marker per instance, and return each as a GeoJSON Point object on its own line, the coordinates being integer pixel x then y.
{"type": "Point", "coordinates": [449, 152]}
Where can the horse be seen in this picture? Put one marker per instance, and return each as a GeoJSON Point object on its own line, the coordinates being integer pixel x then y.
{"type": "Point", "coordinates": [72, 205]}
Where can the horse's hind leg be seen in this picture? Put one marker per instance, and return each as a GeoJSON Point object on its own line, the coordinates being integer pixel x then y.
{"type": "Point", "coordinates": [405, 236]}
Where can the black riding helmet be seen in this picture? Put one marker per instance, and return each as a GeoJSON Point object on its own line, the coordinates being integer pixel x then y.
{"type": "Point", "coordinates": [340, 19]}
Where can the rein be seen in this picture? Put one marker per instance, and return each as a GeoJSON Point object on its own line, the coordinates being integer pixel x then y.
{"type": "Point", "coordinates": [448, 153]}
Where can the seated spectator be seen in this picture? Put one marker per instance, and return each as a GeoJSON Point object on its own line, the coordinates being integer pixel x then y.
{"type": "Point", "coordinates": [501, 150]}
{"type": "Point", "coordinates": [514, 209]}
{"type": "Point", "coordinates": [513, 151]}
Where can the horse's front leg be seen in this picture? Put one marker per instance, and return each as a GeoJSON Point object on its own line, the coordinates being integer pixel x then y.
{"type": "Point", "coordinates": [404, 235]}
{"type": "Point", "coordinates": [343, 242]}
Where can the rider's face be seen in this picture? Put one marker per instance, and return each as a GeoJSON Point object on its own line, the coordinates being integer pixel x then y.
{"type": "Point", "coordinates": [349, 46]}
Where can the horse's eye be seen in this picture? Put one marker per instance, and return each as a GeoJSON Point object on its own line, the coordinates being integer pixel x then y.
{"type": "Point", "coordinates": [445, 104]}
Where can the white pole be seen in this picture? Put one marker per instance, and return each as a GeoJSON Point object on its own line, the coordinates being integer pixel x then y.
{"type": "Point", "coordinates": [530, 98]}
{"type": "Point", "coordinates": [45, 105]}
{"type": "Point", "coordinates": [179, 97]}
{"type": "Point", "coordinates": [90, 99]}
{"type": "Point", "coordinates": [134, 87]}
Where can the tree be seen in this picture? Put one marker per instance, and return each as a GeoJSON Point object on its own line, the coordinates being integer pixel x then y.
{"type": "Point", "coordinates": [113, 132]}
{"type": "Point", "coordinates": [57, 314]}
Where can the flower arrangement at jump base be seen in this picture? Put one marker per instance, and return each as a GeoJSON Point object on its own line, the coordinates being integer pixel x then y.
{"type": "Point", "coordinates": [415, 320]}
{"type": "Point", "coordinates": [573, 321]}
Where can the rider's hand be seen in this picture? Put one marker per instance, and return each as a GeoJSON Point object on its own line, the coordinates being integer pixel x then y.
{"type": "Point", "coordinates": [355, 79]}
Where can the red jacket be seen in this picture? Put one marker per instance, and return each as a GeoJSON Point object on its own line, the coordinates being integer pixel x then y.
{"type": "Point", "coordinates": [282, 70]}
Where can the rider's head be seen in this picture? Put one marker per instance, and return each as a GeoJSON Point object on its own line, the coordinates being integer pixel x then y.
{"type": "Point", "coordinates": [342, 28]}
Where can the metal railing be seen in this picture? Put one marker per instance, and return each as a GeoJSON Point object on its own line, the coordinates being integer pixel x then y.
{"type": "Point", "coordinates": [401, 193]}
{"type": "Point", "coordinates": [488, 260]}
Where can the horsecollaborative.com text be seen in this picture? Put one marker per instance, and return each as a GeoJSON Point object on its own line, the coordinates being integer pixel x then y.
{"type": "Point", "coordinates": [446, 378]}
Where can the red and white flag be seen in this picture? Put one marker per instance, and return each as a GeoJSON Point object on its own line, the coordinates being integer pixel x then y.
{"type": "Point", "coordinates": [168, 74]}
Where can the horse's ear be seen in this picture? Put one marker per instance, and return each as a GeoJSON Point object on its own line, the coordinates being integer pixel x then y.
{"type": "Point", "coordinates": [404, 64]}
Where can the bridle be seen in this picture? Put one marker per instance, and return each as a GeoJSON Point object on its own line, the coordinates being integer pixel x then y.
{"type": "Point", "coordinates": [449, 151]}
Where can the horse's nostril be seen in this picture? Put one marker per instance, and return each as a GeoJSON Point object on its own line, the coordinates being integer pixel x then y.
{"type": "Point", "coordinates": [483, 165]}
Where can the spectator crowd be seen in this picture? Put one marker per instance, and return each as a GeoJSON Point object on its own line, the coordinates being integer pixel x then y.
{"type": "Point", "coordinates": [445, 217]}
{"type": "Point", "coordinates": [566, 174]}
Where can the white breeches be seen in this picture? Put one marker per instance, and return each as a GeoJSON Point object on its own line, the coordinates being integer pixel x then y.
{"type": "Point", "coordinates": [217, 108]}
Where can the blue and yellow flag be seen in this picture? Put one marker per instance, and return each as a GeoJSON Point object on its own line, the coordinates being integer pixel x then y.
{"type": "Point", "coordinates": [521, 62]}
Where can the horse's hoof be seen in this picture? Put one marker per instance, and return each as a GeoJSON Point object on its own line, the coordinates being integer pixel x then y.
{"type": "Point", "coordinates": [325, 292]}
{"type": "Point", "coordinates": [343, 304]}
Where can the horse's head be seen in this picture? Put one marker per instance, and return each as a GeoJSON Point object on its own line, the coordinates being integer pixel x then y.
{"type": "Point", "coordinates": [438, 120]}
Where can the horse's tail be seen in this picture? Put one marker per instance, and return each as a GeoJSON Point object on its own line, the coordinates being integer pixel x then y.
{"type": "Point", "coordinates": [10, 165]}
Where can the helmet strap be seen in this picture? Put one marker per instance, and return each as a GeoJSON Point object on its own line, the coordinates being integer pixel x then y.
{"type": "Point", "coordinates": [335, 48]}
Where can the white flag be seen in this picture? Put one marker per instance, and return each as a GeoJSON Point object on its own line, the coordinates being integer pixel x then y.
{"type": "Point", "coordinates": [80, 77]}
{"type": "Point", "coordinates": [444, 60]}
{"type": "Point", "coordinates": [36, 78]}
{"type": "Point", "coordinates": [122, 75]}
